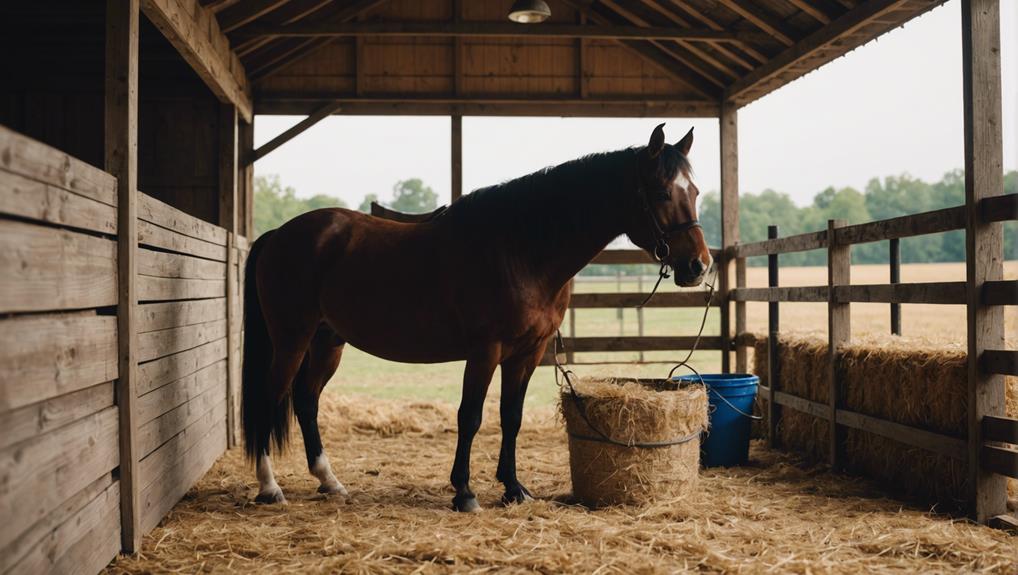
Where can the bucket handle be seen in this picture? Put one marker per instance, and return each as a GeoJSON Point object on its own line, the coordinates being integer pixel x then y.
{"type": "Point", "coordinates": [725, 399]}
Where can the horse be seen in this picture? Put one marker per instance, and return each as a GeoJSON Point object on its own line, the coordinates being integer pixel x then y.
{"type": "Point", "coordinates": [487, 281]}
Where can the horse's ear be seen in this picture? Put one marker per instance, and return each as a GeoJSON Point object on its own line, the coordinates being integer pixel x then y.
{"type": "Point", "coordinates": [685, 143]}
{"type": "Point", "coordinates": [657, 142]}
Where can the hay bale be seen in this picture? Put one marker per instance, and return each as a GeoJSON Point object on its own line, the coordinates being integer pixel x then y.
{"type": "Point", "coordinates": [906, 380]}
{"type": "Point", "coordinates": [633, 413]}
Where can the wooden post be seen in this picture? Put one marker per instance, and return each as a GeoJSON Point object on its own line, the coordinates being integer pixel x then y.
{"type": "Point", "coordinates": [245, 141]}
{"type": "Point", "coordinates": [121, 151]}
{"type": "Point", "coordinates": [639, 310]}
{"type": "Point", "coordinates": [228, 175]}
{"type": "Point", "coordinates": [773, 369]}
{"type": "Point", "coordinates": [894, 246]}
{"type": "Point", "coordinates": [741, 355]}
{"type": "Point", "coordinates": [570, 354]}
{"type": "Point", "coordinates": [983, 240]}
{"type": "Point", "coordinates": [457, 157]}
{"type": "Point", "coordinates": [839, 331]}
{"type": "Point", "coordinates": [729, 223]}
{"type": "Point", "coordinates": [618, 311]}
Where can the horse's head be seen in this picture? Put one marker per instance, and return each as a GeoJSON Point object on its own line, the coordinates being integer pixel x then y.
{"type": "Point", "coordinates": [664, 220]}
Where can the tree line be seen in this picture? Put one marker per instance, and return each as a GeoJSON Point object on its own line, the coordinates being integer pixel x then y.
{"type": "Point", "coordinates": [891, 197]}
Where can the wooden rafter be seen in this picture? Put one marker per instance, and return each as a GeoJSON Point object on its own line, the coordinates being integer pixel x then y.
{"type": "Point", "coordinates": [815, 12]}
{"type": "Point", "coordinates": [672, 17]}
{"type": "Point", "coordinates": [239, 14]}
{"type": "Point", "coordinates": [693, 12]}
{"type": "Point", "coordinates": [291, 12]}
{"type": "Point", "coordinates": [297, 129]}
{"type": "Point", "coordinates": [760, 19]}
{"type": "Point", "coordinates": [851, 20]}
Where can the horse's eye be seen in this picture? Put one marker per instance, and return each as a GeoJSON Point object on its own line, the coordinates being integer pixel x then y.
{"type": "Point", "coordinates": [662, 196]}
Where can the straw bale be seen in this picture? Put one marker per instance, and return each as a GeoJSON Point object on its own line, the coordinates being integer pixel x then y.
{"type": "Point", "coordinates": [630, 412]}
{"type": "Point", "coordinates": [909, 380]}
{"type": "Point", "coordinates": [774, 515]}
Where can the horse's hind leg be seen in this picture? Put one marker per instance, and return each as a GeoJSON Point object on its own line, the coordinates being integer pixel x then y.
{"type": "Point", "coordinates": [322, 360]}
{"type": "Point", "coordinates": [516, 373]}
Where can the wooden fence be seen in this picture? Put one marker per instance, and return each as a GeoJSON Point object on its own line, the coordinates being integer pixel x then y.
{"type": "Point", "coordinates": [989, 449]}
{"type": "Point", "coordinates": [61, 423]}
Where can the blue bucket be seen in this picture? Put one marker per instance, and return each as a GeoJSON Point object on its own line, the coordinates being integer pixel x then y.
{"type": "Point", "coordinates": [727, 440]}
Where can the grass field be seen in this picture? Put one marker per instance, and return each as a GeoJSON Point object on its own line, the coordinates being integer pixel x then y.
{"type": "Point", "coordinates": [361, 373]}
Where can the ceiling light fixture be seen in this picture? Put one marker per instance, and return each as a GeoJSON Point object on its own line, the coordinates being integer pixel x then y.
{"type": "Point", "coordinates": [529, 11]}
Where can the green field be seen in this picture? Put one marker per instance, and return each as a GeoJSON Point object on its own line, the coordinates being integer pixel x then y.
{"type": "Point", "coordinates": [363, 374]}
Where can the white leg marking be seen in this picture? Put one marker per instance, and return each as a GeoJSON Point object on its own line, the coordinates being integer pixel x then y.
{"type": "Point", "coordinates": [323, 471]}
{"type": "Point", "coordinates": [268, 489]}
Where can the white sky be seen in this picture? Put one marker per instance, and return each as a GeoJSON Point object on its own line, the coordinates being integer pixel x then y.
{"type": "Point", "coordinates": [897, 108]}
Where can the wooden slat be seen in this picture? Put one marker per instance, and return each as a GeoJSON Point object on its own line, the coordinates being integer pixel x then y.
{"type": "Point", "coordinates": [47, 356]}
{"type": "Point", "coordinates": [1000, 292]}
{"type": "Point", "coordinates": [194, 31]}
{"type": "Point", "coordinates": [776, 294]}
{"type": "Point", "coordinates": [637, 343]}
{"type": "Point", "coordinates": [47, 538]}
{"type": "Point", "coordinates": [999, 361]}
{"type": "Point", "coordinates": [156, 465]}
{"type": "Point", "coordinates": [27, 198]}
{"type": "Point", "coordinates": [814, 408]}
{"type": "Point", "coordinates": [158, 431]}
{"type": "Point", "coordinates": [167, 369]}
{"type": "Point", "coordinates": [931, 441]}
{"type": "Point", "coordinates": [168, 397]}
{"type": "Point", "coordinates": [798, 243]}
{"type": "Point", "coordinates": [161, 496]}
{"type": "Point", "coordinates": [152, 235]}
{"type": "Point", "coordinates": [1003, 429]}
{"type": "Point", "coordinates": [159, 316]}
{"type": "Point", "coordinates": [615, 257]}
{"type": "Point", "coordinates": [45, 416]}
{"type": "Point", "coordinates": [46, 470]}
{"type": "Point", "coordinates": [34, 160]}
{"type": "Point", "coordinates": [933, 222]}
{"type": "Point", "coordinates": [242, 13]}
{"type": "Point", "coordinates": [1002, 460]}
{"type": "Point", "coordinates": [155, 344]}
{"type": "Point", "coordinates": [167, 265]}
{"type": "Point", "coordinates": [44, 268]}
{"type": "Point", "coordinates": [166, 216]}
{"type": "Point", "coordinates": [1000, 208]}
{"type": "Point", "coordinates": [929, 293]}
{"type": "Point", "coordinates": [164, 289]}
{"type": "Point", "coordinates": [85, 542]}
{"type": "Point", "coordinates": [760, 19]}
{"type": "Point", "coordinates": [616, 300]}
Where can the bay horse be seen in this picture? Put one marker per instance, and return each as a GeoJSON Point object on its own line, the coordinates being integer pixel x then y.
{"type": "Point", "coordinates": [486, 281]}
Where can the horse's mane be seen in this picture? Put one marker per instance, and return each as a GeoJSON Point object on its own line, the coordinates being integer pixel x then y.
{"type": "Point", "coordinates": [566, 198]}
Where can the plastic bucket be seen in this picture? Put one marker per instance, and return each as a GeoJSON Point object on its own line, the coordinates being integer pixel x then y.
{"type": "Point", "coordinates": [727, 441]}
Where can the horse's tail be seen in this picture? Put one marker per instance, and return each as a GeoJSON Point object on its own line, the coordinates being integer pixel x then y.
{"type": "Point", "coordinates": [263, 416]}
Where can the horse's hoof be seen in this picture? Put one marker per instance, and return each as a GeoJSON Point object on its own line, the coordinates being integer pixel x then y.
{"type": "Point", "coordinates": [519, 494]}
{"type": "Point", "coordinates": [271, 497]}
{"type": "Point", "coordinates": [466, 504]}
{"type": "Point", "coordinates": [333, 489]}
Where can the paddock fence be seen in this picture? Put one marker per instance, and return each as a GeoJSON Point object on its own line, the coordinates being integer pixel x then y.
{"type": "Point", "coordinates": [65, 433]}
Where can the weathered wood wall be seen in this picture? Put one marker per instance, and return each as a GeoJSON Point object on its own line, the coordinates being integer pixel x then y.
{"type": "Point", "coordinates": [59, 494]}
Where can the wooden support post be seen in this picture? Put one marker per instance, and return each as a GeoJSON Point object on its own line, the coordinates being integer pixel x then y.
{"type": "Point", "coordinates": [245, 141]}
{"type": "Point", "coordinates": [457, 157]}
{"type": "Point", "coordinates": [729, 223]}
{"type": "Point", "coordinates": [228, 200]}
{"type": "Point", "coordinates": [570, 354]}
{"type": "Point", "coordinates": [741, 351]}
{"type": "Point", "coordinates": [121, 143]}
{"type": "Point", "coordinates": [839, 331]}
{"type": "Point", "coordinates": [983, 240]}
{"type": "Point", "coordinates": [773, 369]}
{"type": "Point", "coordinates": [894, 245]}
{"type": "Point", "coordinates": [639, 311]}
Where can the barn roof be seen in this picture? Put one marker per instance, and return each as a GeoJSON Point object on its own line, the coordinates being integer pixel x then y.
{"type": "Point", "coordinates": [592, 57]}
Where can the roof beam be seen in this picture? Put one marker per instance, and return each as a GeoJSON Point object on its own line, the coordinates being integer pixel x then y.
{"type": "Point", "coordinates": [297, 129]}
{"type": "Point", "coordinates": [491, 29]}
{"type": "Point", "coordinates": [674, 18]}
{"type": "Point", "coordinates": [814, 12]}
{"type": "Point", "coordinates": [847, 23]}
{"type": "Point", "coordinates": [759, 19]}
{"type": "Point", "coordinates": [692, 11]}
{"type": "Point", "coordinates": [194, 32]}
{"type": "Point", "coordinates": [239, 14]}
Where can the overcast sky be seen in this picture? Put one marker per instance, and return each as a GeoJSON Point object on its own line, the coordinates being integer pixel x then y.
{"type": "Point", "coordinates": [892, 106]}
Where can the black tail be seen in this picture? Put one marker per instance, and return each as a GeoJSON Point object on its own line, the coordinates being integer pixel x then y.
{"type": "Point", "coordinates": [264, 419]}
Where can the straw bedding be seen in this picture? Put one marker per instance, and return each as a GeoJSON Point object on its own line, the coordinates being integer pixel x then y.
{"type": "Point", "coordinates": [773, 515]}
{"type": "Point", "coordinates": [632, 413]}
{"type": "Point", "coordinates": [907, 380]}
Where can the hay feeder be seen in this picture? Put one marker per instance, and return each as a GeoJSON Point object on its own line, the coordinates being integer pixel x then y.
{"type": "Point", "coordinates": [632, 441]}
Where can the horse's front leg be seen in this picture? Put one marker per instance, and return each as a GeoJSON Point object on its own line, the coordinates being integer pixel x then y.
{"type": "Point", "coordinates": [476, 378]}
{"type": "Point", "coordinates": [516, 374]}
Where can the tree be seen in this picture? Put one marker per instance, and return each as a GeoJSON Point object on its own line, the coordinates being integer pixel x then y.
{"type": "Point", "coordinates": [274, 205]}
{"type": "Point", "coordinates": [413, 197]}
{"type": "Point", "coordinates": [366, 203]}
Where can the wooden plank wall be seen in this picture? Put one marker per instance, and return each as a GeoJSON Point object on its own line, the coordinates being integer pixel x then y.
{"type": "Point", "coordinates": [59, 495]}
{"type": "Point", "coordinates": [182, 353]}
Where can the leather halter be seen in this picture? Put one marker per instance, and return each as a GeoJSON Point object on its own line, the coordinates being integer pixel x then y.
{"type": "Point", "coordinates": [662, 235]}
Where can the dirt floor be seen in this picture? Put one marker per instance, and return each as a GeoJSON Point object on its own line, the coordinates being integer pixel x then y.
{"type": "Point", "coordinates": [774, 515]}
